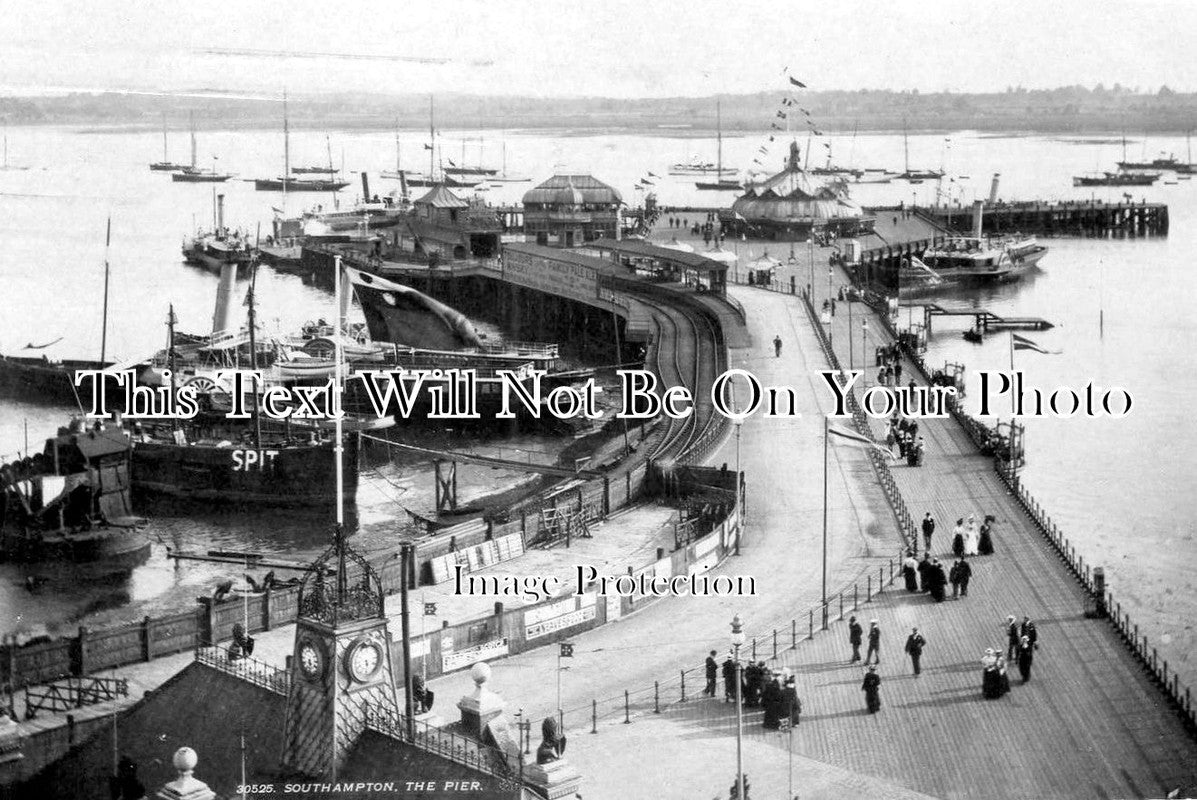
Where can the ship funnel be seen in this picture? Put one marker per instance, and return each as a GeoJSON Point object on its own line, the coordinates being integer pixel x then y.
{"type": "Point", "coordinates": [346, 300]}
{"type": "Point", "coordinates": [365, 187]}
{"type": "Point", "coordinates": [224, 298]}
{"type": "Point", "coordinates": [978, 214]}
{"type": "Point", "coordinates": [993, 188]}
{"type": "Point", "coordinates": [219, 214]}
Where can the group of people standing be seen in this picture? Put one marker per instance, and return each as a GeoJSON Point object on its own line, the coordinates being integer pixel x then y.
{"type": "Point", "coordinates": [774, 691]}
{"type": "Point", "coordinates": [970, 540]}
{"type": "Point", "coordinates": [904, 433]}
{"type": "Point", "coordinates": [1022, 640]}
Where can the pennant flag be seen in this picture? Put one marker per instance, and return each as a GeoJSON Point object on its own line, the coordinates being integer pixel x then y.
{"type": "Point", "coordinates": [652, 175]}
{"type": "Point", "coordinates": [276, 210]}
{"type": "Point", "coordinates": [567, 650]}
{"type": "Point", "coordinates": [775, 126]}
{"type": "Point", "coordinates": [798, 83]}
{"type": "Point", "coordinates": [427, 147]}
{"type": "Point", "coordinates": [450, 162]}
{"type": "Point", "coordinates": [853, 436]}
{"type": "Point", "coordinates": [430, 609]}
{"type": "Point", "coordinates": [1023, 343]}
{"type": "Point", "coordinates": [781, 115]}
{"type": "Point", "coordinates": [817, 133]}
{"type": "Point", "coordinates": [770, 138]}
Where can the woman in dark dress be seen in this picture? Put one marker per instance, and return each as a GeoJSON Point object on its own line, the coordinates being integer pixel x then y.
{"type": "Point", "coordinates": [872, 689]}
{"type": "Point", "coordinates": [985, 545]}
{"type": "Point", "coordinates": [791, 701]}
{"type": "Point", "coordinates": [729, 680]}
{"type": "Point", "coordinates": [773, 700]}
{"type": "Point", "coordinates": [910, 572]}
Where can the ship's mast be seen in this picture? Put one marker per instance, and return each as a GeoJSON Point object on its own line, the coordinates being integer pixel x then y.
{"type": "Point", "coordinates": [104, 328]}
{"type": "Point", "coordinates": [163, 140]}
{"type": "Point", "coordinates": [253, 351]}
{"type": "Point", "coordinates": [431, 140]}
{"type": "Point", "coordinates": [338, 446]}
{"type": "Point", "coordinates": [193, 140]}
{"type": "Point", "coordinates": [398, 160]}
{"type": "Point", "coordinates": [718, 142]}
{"type": "Point", "coordinates": [286, 149]}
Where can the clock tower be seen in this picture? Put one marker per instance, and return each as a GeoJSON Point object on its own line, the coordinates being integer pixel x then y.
{"type": "Point", "coordinates": [341, 672]}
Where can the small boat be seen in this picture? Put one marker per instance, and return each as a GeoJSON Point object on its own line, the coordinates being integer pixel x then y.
{"type": "Point", "coordinates": [298, 184]}
{"type": "Point", "coordinates": [1116, 179]}
{"type": "Point", "coordinates": [70, 502]}
{"type": "Point", "coordinates": [313, 170]}
{"type": "Point", "coordinates": [719, 184]}
{"type": "Point", "coordinates": [189, 175]}
{"type": "Point", "coordinates": [973, 335]}
{"type": "Point", "coordinates": [165, 165]}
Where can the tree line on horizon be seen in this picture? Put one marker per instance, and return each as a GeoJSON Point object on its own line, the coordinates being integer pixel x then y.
{"type": "Point", "coordinates": [1068, 108]}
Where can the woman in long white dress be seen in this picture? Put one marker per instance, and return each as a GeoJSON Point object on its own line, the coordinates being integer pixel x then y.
{"type": "Point", "coordinates": [972, 536]}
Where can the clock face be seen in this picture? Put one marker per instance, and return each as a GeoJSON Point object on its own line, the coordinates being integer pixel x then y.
{"type": "Point", "coordinates": [364, 661]}
{"type": "Point", "coordinates": [310, 660]}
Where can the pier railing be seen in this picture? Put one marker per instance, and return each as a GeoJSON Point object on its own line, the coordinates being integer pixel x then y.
{"type": "Point", "coordinates": [259, 673]}
{"type": "Point", "coordinates": [1104, 604]}
{"type": "Point", "coordinates": [770, 643]}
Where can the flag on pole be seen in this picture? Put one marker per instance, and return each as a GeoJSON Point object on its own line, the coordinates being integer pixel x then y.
{"type": "Point", "coordinates": [1023, 343]}
{"type": "Point", "coordinates": [853, 436]}
{"type": "Point", "coordinates": [567, 650]}
{"type": "Point", "coordinates": [798, 83]}
{"type": "Point", "coordinates": [430, 609]}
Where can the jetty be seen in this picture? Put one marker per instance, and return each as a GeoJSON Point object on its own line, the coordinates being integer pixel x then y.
{"type": "Point", "coordinates": [1089, 218]}
{"type": "Point", "coordinates": [985, 320]}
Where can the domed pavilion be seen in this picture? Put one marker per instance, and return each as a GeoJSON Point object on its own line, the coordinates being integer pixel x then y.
{"type": "Point", "coordinates": [793, 206]}
{"type": "Point", "coordinates": [568, 210]}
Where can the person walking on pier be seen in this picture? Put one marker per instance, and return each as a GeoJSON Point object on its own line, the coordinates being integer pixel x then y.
{"type": "Point", "coordinates": [954, 579]}
{"type": "Point", "coordinates": [854, 638]}
{"type": "Point", "coordinates": [910, 572]}
{"type": "Point", "coordinates": [958, 538]}
{"type": "Point", "coordinates": [1012, 637]}
{"type": "Point", "coordinates": [1028, 629]}
{"type": "Point", "coordinates": [1026, 656]}
{"type": "Point", "coordinates": [965, 573]}
{"type": "Point", "coordinates": [777, 346]}
{"type": "Point", "coordinates": [924, 570]}
{"type": "Point", "coordinates": [729, 680]}
{"type": "Point", "coordinates": [792, 703]}
{"type": "Point", "coordinates": [937, 580]}
{"type": "Point", "coordinates": [985, 545]}
{"type": "Point", "coordinates": [928, 531]}
{"type": "Point", "coordinates": [712, 675]}
{"type": "Point", "coordinates": [874, 643]}
{"type": "Point", "coordinates": [872, 689]}
{"type": "Point", "coordinates": [915, 643]}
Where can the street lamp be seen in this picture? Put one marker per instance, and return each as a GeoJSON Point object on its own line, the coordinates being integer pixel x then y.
{"type": "Point", "coordinates": [864, 349]}
{"type": "Point", "coordinates": [829, 273]}
{"type": "Point", "coordinates": [810, 248]}
{"type": "Point", "coordinates": [737, 640]}
{"type": "Point", "coordinates": [848, 301]}
{"type": "Point", "coordinates": [739, 423]}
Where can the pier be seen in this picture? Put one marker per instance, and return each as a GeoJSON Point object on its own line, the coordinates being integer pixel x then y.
{"type": "Point", "coordinates": [1089, 218]}
{"type": "Point", "coordinates": [985, 320]}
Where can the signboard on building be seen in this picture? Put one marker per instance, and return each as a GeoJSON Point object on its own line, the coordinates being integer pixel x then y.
{"type": "Point", "coordinates": [564, 275]}
{"type": "Point", "coordinates": [554, 617]}
{"type": "Point", "coordinates": [472, 655]}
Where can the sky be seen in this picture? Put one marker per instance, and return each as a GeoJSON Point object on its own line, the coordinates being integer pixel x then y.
{"type": "Point", "coordinates": [613, 48]}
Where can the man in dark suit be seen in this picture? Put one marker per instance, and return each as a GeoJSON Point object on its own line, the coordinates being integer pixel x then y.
{"type": "Point", "coordinates": [914, 648]}
{"type": "Point", "coordinates": [928, 529]}
{"type": "Point", "coordinates": [712, 675]}
{"type": "Point", "coordinates": [854, 638]}
{"type": "Point", "coordinates": [874, 642]}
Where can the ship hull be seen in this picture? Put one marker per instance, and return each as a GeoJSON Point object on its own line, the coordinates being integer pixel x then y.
{"type": "Point", "coordinates": [294, 476]}
{"type": "Point", "coordinates": [191, 177]}
{"type": "Point", "coordinates": [298, 185]}
{"type": "Point", "coordinates": [50, 382]}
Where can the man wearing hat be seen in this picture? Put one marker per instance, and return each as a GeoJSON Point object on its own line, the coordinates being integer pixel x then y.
{"type": "Point", "coordinates": [874, 642]}
{"type": "Point", "coordinates": [712, 675]}
{"type": "Point", "coordinates": [854, 638]}
{"type": "Point", "coordinates": [914, 648]}
{"type": "Point", "coordinates": [872, 689]}
{"type": "Point", "coordinates": [1012, 637]}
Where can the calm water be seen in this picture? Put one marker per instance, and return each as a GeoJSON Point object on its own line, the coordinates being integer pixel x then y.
{"type": "Point", "coordinates": [1122, 489]}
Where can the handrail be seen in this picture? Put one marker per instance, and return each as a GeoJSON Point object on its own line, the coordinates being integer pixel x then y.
{"type": "Point", "coordinates": [257, 672]}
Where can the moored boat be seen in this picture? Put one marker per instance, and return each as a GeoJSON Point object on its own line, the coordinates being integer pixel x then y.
{"type": "Point", "coordinates": [983, 258]}
{"type": "Point", "coordinates": [1116, 179]}
{"type": "Point", "coordinates": [71, 502]}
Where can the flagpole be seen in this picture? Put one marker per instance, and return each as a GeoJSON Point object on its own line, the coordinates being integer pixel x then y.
{"type": "Point", "coordinates": [424, 638]}
{"type": "Point", "coordinates": [1012, 406]}
{"type": "Point", "coordinates": [825, 435]}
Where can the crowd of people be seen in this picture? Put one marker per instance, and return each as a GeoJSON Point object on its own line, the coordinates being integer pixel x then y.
{"type": "Point", "coordinates": [1022, 640]}
{"type": "Point", "coordinates": [904, 433]}
{"type": "Point", "coordinates": [970, 540]}
{"type": "Point", "coordinates": [775, 691]}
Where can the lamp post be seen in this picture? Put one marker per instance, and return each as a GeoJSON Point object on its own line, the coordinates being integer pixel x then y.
{"type": "Point", "coordinates": [848, 301]}
{"type": "Point", "coordinates": [739, 423]}
{"type": "Point", "coordinates": [737, 640]}
{"type": "Point", "coordinates": [826, 425]}
{"type": "Point", "coordinates": [829, 274]}
{"type": "Point", "coordinates": [810, 252]}
{"type": "Point", "coordinates": [864, 349]}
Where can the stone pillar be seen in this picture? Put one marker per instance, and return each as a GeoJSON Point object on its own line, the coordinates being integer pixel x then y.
{"type": "Point", "coordinates": [185, 786]}
{"type": "Point", "coordinates": [10, 751]}
{"type": "Point", "coordinates": [480, 708]}
{"type": "Point", "coordinates": [555, 779]}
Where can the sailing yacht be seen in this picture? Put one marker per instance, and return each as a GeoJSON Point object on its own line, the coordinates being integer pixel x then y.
{"type": "Point", "coordinates": [720, 184]}
{"type": "Point", "coordinates": [288, 182]}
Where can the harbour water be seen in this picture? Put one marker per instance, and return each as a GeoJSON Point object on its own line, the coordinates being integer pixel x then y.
{"type": "Point", "coordinates": [1119, 488]}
